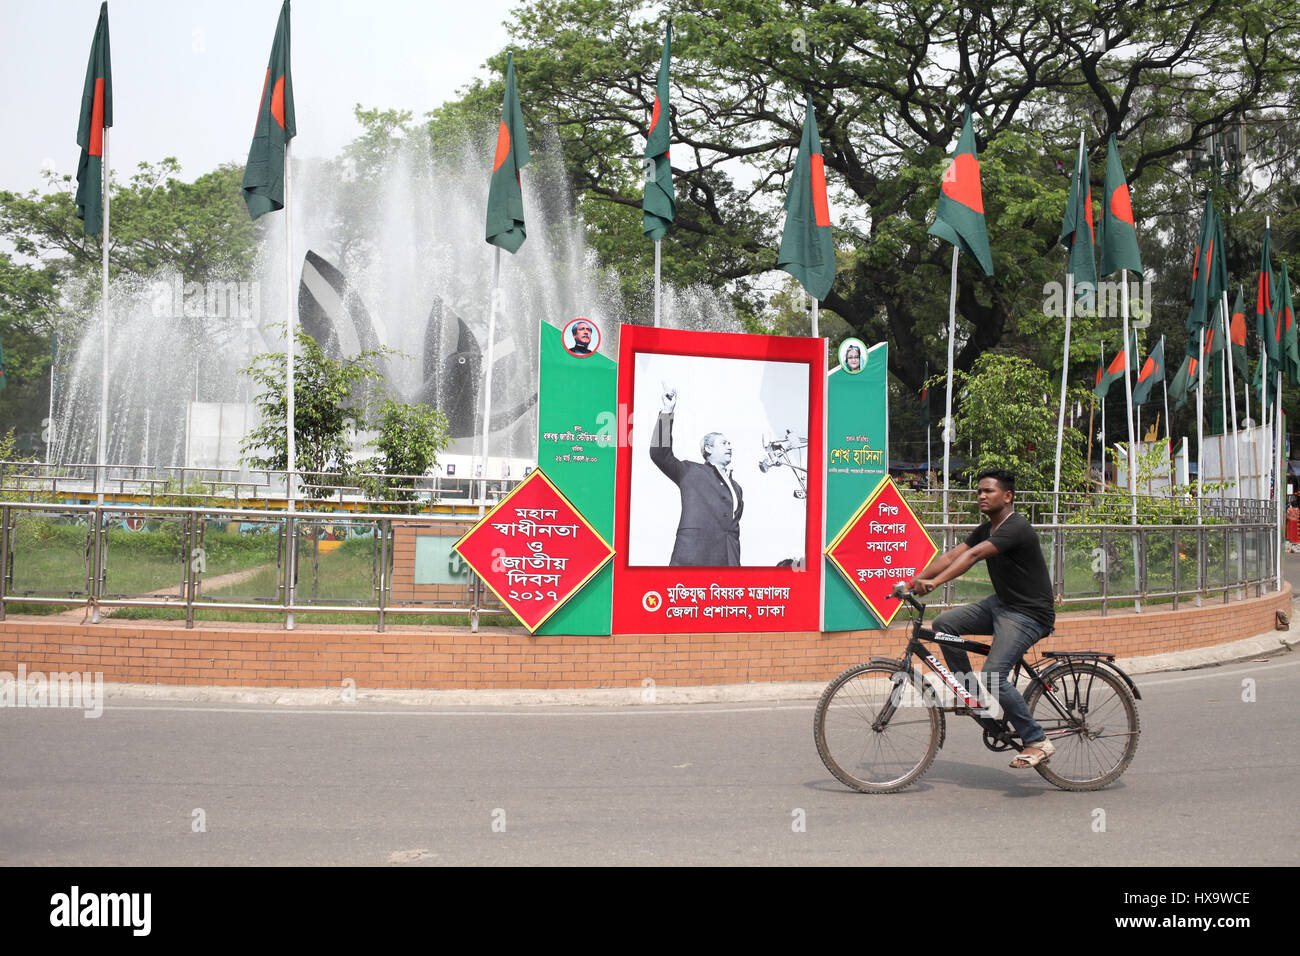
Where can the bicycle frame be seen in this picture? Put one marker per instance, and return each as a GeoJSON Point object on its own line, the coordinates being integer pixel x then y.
{"type": "Point", "coordinates": [996, 728]}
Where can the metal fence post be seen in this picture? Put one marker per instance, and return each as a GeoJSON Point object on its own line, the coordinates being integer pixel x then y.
{"type": "Point", "coordinates": [4, 555]}
{"type": "Point", "coordinates": [385, 529]}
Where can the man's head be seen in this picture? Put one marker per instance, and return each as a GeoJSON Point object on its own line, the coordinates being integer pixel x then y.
{"type": "Point", "coordinates": [716, 449]}
{"type": "Point", "coordinates": [582, 334]}
{"type": "Point", "coordinates": [853, 358]}
{"type": "Point", "coordinates": [995, 490]}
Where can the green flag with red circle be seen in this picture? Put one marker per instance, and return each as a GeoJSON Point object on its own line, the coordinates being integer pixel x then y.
{"type": "Point", "coordinates": [276, 126]}
{"type": "Point", "coordinates": [96, 115]}
{"type": "Point", "coordinates": [658, 205]}
{"type": "Point", "coordinates": [807, 249]}
{"type": "Point", "coordinates": [1119, 245]}
{"type": "Point", "coordinates": [505, 205]}
{"type": "Point", "coordinates": [959, 218]}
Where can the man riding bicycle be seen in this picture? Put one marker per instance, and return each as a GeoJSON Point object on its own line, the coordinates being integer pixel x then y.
{"type": "Point", "coordinates": [1018, 614]}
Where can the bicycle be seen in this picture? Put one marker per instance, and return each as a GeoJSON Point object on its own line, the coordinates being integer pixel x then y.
{"type": "Point", "coordinates": [879, 725]}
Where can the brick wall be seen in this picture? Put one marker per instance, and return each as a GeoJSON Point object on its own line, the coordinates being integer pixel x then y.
{"type": "Point", "coordinates": [404, 657]}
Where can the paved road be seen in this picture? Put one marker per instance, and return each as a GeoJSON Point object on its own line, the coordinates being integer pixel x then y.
{"type": "Point", "coordinates": [1215, 781]}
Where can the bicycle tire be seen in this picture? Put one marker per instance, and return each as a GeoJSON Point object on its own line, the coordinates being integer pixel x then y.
{"type": "Point", "coordinates": [1099, 741]}
{"type": "Point", "coordinates": [876, 761]}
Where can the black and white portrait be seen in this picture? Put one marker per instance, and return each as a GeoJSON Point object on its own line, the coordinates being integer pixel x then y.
{"type": "Point", "coordinates": [719, 462]}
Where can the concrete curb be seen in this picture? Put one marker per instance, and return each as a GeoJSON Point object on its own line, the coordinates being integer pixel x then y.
{"type": "Point", "coordinates": [1264, 645]}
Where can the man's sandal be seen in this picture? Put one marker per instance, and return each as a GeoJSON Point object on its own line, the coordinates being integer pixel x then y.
{"type": "Point", "coordinates": [1024, 760]}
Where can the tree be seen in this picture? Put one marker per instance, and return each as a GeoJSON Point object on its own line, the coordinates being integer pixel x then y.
{"type": "Point", "coordinates": [410, 437]}
{"type": "Point", "coordinates": [1008, 413]}
{"type": "Point", "coordinates": [50, 282]}
{"type": "Point", "coordinates": [328, 404]}
{"type": "Point", "coordinates": [888, 83]}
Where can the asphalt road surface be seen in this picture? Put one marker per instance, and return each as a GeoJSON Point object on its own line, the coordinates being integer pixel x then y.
{"type": "Point", "coordinates": [1215, 781]}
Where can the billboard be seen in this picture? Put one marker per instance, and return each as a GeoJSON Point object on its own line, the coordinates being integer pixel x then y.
{"type": "Point", "coordinates": [719, 489]}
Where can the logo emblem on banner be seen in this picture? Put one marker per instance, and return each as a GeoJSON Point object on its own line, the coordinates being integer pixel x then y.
{"type": "Point", "coordinates": [882, 544]}
{"type": "Point", "coordinates": [534, 550]}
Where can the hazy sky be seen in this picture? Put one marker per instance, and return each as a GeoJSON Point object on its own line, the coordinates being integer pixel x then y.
{"type": "Point", "coordinates": [187, 74]}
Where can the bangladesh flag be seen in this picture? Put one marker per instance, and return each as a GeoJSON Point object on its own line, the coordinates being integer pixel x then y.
{"type": "Point", "coordinates": [264, 173]}
{"type": "Point", "coordinates": [1209, 270]}
{"type": "Point", "coordinates": [505, 205]}
{"type": "Point", "coordinates": [1119, 245]}
{"type": "Point", "coordinates": [1120, 364]}
{"type": "Point", "coordinates": [1264, 304]}
{"type": "Point", "coordinates": [1152, 374]}
{"type": "Point", "coordinates": [1077, 232]}
{"type": "Point", "coordinates": [807, 249]}
{"type": "Point", "coordinates": [1185, 380]}
{"type": "Point", "coordinates": [1097, 380]}
{"type": "Point", "coordinates": [1214, 335]}
{"type": "Point", "coordinates": [658, 206]}
{"type": "Point", "coordinates": [1287, 330]}
{"type": "Point", "coordinates": [96, 115]}
{"type": "Point", "coordinates": [1237, 334]}
{"type": "Point", "coordinates": [960, 215]}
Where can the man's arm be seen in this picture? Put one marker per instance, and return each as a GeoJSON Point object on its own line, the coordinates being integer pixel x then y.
{"type": "Point", "coordinates": [951, 565]}
{"type": "Point", "coordinates": [661, 442]}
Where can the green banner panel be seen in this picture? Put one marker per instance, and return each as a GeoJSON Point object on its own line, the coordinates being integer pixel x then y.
{"type": "Point", "coordinates": [577, 442]}
{"type": "Point", "coordinates": [857, 457]}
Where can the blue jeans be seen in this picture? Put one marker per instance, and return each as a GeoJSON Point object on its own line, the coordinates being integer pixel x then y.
{"type": "Point", "coordinates": [1013, 634]}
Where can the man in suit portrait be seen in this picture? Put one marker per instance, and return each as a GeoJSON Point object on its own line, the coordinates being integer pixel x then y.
{"type": "Point", "coordinates": [708, 532]}
{"type": "Point", "coordinates": [581, 338]}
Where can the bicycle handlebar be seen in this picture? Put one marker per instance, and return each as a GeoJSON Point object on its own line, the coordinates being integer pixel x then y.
{"type": "Point", "coordinates": [902, 593]}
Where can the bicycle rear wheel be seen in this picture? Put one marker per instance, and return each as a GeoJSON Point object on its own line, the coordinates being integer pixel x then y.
{"type": "Point", "coordinates": [870, 758]}
{"type": "Point", "coordinates": [1098, 740]}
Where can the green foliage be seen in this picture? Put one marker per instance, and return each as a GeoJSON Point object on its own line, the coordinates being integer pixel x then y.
{"type": "Point", "coordinates": [328, 404]}
{"type": "Point", "coordinates": [410, 437]}
{"type": "Point", "coordinates": [1009, 412]}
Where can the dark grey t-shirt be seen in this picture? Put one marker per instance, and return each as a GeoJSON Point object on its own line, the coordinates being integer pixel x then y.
{"type": "Point", "coordinates": [1018, 571]}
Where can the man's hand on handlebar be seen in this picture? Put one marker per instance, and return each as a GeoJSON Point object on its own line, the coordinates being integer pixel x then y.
{"type": "Point", "coordinates": [922, 586]}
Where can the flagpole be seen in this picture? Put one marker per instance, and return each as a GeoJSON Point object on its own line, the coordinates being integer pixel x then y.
{"type": "Point", "coordinates": [947, 414]}
{"type": "Point", "coordinates": [100, 476]}
{"type": "Point", "coordinates": [814, 319]}
{"type": "Point", "coordinates": [49, 442]}
{"type": "Point", "coordinates": [657, 313]}
{"type": "Point", "coordinates": [291, 445]}
{"type": "Point", "coordinates": [1169, 435]}
{"type": "Point", "coordinates": [1060, 413]}
{"type": "Point", "coordinates": [1279, 493]}
{"type": "Point", "coordinates": [1232, 390]}
{"type": "Point", "coordinates": [1200, 425]}
{"type": "Point", "coordinates": [1128, 400]}
{"type": "Point", "coordinates": [491, 351]}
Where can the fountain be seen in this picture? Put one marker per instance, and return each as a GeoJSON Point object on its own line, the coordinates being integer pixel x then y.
{"type": "Point", "coordinates": [414, 275]}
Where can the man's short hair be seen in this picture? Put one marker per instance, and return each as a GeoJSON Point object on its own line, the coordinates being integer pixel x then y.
{"type": "Point", "coordinates": [706, 443]}
{"type": "Point", "coordinates": [1003, 477]}
{"type": "Point", "coordinates": [581, 325]}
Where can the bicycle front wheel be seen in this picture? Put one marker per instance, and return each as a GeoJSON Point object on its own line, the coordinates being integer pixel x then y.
{"type": "Point", "coordinates": [1096, 742]}
{"type": "Point", "coordinates": [875, 729]}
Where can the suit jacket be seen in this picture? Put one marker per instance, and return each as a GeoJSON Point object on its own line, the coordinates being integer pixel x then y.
{"type": "Point", "coordinates": [708, 533]}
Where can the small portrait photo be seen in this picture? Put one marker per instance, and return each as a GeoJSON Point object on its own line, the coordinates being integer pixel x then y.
{"type": "Point", "coordinates": [451, 470]}
{"type": "Point", "coordinates": [853, 356]}
{"type": "Point", "coordinates": [581, 337]}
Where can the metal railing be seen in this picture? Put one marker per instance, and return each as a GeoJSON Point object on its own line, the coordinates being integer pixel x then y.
{"type": "Point", "coordinates": [201, 560]}
{"type": "Point", "coordinates": [82, 482]}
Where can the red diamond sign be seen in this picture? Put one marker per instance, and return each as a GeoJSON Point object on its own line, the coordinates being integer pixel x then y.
{"type": "Point", "coordinates": [882, 544]}
{"type": "Point", "coordinates": [534, 550]}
